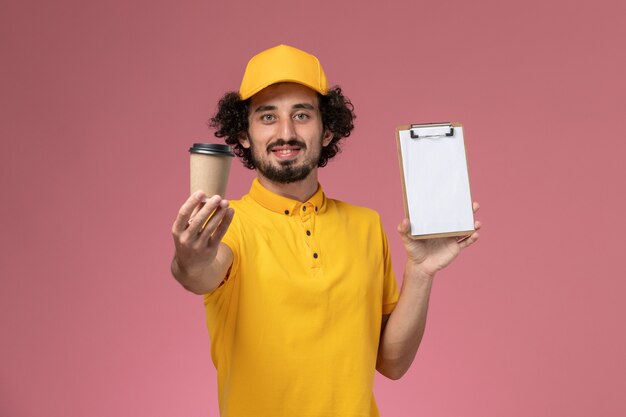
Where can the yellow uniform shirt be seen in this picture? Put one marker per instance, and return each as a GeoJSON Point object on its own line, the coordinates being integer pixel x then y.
{"type": "Point", "coordinates": [295, 326]}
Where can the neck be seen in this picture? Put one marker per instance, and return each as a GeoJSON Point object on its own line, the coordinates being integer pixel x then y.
{"type": "Point", "coordinates": [300, 190]}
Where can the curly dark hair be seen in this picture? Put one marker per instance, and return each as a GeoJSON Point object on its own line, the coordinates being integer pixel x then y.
{"type": "Point", "coordinates": [231, 120]}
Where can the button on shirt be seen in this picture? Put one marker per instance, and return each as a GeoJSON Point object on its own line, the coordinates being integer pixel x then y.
{"type": "Point", "coordinates": [295, 325]}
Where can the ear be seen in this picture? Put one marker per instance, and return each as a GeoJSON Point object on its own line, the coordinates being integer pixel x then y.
{"type": "Point", "coordinates": [243, 140]}
{"type": "Point", "coordinates": [327, 138]}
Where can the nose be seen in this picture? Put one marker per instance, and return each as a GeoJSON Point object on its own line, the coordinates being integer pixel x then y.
{"type": "Point", "coordinates": [287, 128]}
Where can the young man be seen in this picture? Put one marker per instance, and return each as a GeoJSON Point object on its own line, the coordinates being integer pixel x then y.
{"type": "Point", "coordinates": [301, 300]}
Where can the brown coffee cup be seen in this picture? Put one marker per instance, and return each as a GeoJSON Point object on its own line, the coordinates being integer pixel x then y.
{"type": "Point", "coordinates": [209, 168]}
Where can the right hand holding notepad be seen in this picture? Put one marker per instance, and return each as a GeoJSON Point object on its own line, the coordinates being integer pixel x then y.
{"type": "Point", "coordinates": [432, 255]}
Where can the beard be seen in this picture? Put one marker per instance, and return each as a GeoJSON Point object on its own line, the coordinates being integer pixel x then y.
{"type": "Point", "coordinates": [286, 172]}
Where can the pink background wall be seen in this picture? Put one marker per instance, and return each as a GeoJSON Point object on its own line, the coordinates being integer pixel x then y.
{"type": "Point", "coordinates": [99, 101]}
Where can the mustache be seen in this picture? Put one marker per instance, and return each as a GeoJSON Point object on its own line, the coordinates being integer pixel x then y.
{"type": "Point", "coordinates": [283, 142]}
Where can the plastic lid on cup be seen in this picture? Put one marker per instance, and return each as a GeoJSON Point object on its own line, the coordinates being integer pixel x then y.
{"type": "Point", "coordinates": [211, 149]}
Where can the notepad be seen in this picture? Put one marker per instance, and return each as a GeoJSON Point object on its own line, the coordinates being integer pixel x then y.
{"type": "Point", "coordinates": [435, 179]}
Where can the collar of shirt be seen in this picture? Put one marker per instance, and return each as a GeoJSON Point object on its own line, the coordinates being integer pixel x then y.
{"type": "Point", "coordinates": [284, 205]}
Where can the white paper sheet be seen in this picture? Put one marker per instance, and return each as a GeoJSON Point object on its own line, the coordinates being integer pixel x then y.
{"type": "Point", "coordinates": [437, 183]}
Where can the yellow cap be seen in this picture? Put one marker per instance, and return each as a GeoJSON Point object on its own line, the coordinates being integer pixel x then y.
{"type": "Point", "coordinates": [282, 63]}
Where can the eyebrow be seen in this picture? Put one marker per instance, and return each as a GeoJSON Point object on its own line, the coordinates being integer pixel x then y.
{"type": "Point", "coordinates": [303, 106]}
{"type": "Point", "coordinates": [295, 106]}
{"type": "Point", "coordinates": [264, 108]}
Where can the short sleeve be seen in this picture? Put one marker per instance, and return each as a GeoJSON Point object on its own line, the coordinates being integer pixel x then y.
{"type": "Point", "coordinates": [233, 241]}
{"type": "Point", "coordinates": [390, 285]}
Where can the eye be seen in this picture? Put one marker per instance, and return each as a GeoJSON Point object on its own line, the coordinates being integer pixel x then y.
{"type": "Point", "coordinates": [301, 116]}
{"type": "Point", "coordinates": [267, 118]}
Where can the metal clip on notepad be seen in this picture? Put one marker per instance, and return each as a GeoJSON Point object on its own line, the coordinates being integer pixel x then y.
{"type": "Point", "coordinates": [431, 130]}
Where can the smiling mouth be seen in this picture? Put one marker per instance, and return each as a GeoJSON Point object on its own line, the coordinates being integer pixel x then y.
{"type": "Point", "coordinates": [286, 150]}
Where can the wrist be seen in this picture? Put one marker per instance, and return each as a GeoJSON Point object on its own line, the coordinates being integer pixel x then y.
{"type": "Point", "coordinates": [183, 272]}
{"type": "Point", "coordinates": [419, 270]}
